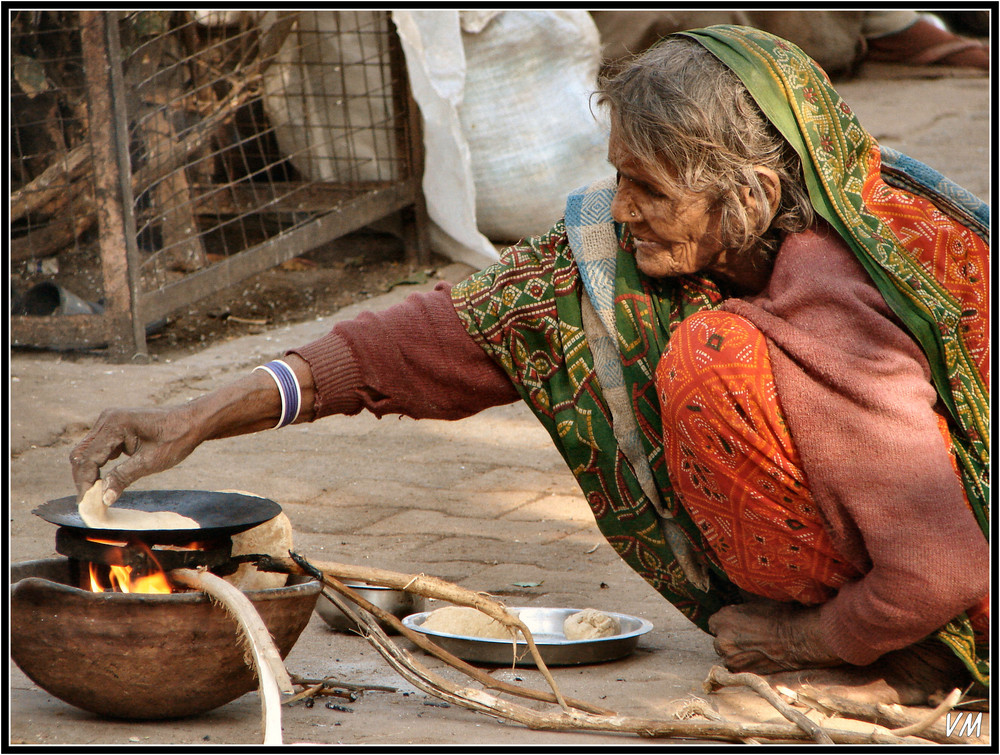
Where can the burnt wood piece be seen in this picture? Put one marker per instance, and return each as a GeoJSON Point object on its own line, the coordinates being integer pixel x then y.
{"type": "Point", "coordinates": [145, 559]}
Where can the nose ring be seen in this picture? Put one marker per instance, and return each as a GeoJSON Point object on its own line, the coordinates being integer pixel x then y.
{"type": "Point", "coordinates": [632, 214]}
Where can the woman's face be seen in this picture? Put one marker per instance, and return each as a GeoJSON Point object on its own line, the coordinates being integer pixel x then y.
{"type": "Point", "coordinates": [676, 231]}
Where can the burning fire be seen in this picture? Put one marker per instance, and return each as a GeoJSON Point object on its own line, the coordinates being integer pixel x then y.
{"type": "Point", "coordinates": [121, 580]}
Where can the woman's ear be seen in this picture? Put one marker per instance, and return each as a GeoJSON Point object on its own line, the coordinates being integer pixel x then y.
{"type": "Point", "coordinates": [771, 184]}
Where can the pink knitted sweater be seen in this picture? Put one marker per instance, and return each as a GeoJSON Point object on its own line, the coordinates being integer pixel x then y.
{"type": "Point", "coordinates": [856, 392]}
{"type": "Point", "coordinates": [854, 387]}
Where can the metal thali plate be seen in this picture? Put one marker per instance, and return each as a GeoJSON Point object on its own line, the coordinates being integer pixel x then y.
{"type": "Point", "coordinates": [546, 626]}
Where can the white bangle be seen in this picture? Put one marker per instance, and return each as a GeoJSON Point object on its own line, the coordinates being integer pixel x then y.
{"type": "Point", "coordinates": [288, 388]}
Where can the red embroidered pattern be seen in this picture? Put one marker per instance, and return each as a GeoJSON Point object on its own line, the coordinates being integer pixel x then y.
{"type": "Point", "coordinates": [955, 258]}
{"type": "Point", "coordinates": [734, 466]}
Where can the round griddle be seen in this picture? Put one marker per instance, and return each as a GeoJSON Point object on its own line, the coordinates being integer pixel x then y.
{"type": "Point", "coordinates": [218, 514]}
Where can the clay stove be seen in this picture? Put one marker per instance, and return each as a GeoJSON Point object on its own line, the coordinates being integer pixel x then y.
{"type": "Point", "coordinates": [139, 655]}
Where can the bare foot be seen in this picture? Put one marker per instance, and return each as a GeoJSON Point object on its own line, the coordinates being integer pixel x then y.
{"type": "Point", "coordinates": [783, 641]}
{"type": "Point", "coordinates": [918, 675]}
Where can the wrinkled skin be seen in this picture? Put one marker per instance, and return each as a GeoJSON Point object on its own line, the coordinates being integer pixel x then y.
{"type": "Point", "coordinates": [152, 439]}
{"type": "Point", "coordinates": [158, 439]}
{"type": "Point", "coordinates": [782, 640]}
{"type": "Point", "coordinates": [676, 231]}
{"type": "Point", "coordinates": [765, 636]}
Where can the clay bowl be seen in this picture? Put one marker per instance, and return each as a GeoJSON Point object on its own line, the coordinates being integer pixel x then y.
{"type": "Point", "coordinates": [135, 656]}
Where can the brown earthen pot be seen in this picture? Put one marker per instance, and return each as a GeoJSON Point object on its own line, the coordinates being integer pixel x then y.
{"type": "Point", "coordinates": [138, 656]}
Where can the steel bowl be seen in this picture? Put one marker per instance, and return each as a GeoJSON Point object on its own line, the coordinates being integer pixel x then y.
{"type": "Point", "coordinates": [397, 602]}
{"type": "Point", "coordinates": [546, 627]}
{"type": "Point", "coordinates": [140, 656]}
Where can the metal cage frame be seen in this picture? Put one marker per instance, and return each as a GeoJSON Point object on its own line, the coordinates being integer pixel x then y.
{"type": "Point", "coordinates": [128, 309]}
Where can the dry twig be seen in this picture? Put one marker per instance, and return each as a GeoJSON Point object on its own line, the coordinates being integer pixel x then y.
{"type": "Point", "coordinates": [432, 587]}
{"type": "Point", "coordinates": [271, 673]}
{"type": "Point", "coordinates": [574, 719]}
{"type": "Point", "coordinates": [480, 700]}
{"type": "Point", "coordinates": [897, 719]}
{"type": "Point", "coordinates": [330, 682]}
{"type": "Point", "coordinates": [436, 650]}
{"type": "Point", "coordinates": [950, 701]}
{"type": "Point", "coordinates": [719, 677]}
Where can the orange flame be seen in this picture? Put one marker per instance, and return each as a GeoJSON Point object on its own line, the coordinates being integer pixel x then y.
{"type": "Point", "coordinates": [121, 579]}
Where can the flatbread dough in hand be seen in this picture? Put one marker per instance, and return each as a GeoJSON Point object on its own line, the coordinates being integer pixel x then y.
{"type": "Point", "coordinates": [590, 624]}
{"type": "Point", "coordinates": [97, 516]}
{"type": "Point", "coordinates": [467, 622]}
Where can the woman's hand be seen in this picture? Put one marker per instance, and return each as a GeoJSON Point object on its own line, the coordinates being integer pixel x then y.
{"type": "Point", "coordinates": [158, 439]}
{"type": "Point", "coordinates": [153, 439]}
{"type": "Point", "coordinates": [766, 636]}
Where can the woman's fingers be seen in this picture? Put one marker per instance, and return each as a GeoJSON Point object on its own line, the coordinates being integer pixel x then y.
{"type": "Point", "coordinates": [122, 475]}
{"type": "Point", "coordinates": [103, 443]}
{"type": "Point", "coordinates": [152, 439]}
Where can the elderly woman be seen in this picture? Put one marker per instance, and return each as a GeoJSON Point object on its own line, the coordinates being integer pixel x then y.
{"type": "Point", "coordinates": [761, 349]}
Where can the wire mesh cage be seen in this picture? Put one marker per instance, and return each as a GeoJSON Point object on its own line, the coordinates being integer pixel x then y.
{"type": "Point", "coordinates": [52, 202]}
{"type": "Point", "coordinates": [201, 147]}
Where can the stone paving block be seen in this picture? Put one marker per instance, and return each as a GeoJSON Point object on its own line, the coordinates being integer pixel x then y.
{"type": "Point", "coordinates": [506, 475]}
{"type": "Point", "coordinates": [426, 522]}
{"type": "Point", "coordinates": [335, 520]}
{"type": "Point", "coordinates": [560, 508]}
{"type": "Point", "coordinates": [402, 496]}
{"type": "Point", "coordinates": [395, 555]}
{"type": "Point", "coordinates": [527, 579]}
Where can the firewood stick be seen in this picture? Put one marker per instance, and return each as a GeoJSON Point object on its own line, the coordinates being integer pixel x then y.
{"type": "Point", "coordinates": [482, 701]}
{"type": "Point", "coordinates": [452, 660]}
{"type": "Point", "coordinates": [933, 717]}
{"type": "Point", "coordinates": [896, 718]}
{"type": "Point", "coordinates": [51, 182]}
{"type": "Point", "coordinates": [719, 677]}
{"type": "Point", "coordinates": [433, 587]}
{"type": "Point", "coordinates": [331, 682]}
{"type": "Point", "coordinates": [571, 720]}
{"type": "Point", "coordinates": [271, 673]}
{"type": "Point", "coordinates": [307, 692]}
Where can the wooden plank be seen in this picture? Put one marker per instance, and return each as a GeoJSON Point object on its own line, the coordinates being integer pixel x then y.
{"type": "Point", "coordinates": [247, 197]}
{"type": "Point", "coordinates": [59, 331]}
{"type": "Point", "coordinates": [126, 335]}
{"type": "Point", "coordinates": [342, 219]}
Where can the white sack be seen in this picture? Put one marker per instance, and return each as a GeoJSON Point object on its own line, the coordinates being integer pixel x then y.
{"type": "Point", "coordinates": [315, 96]}
{"type": "Point", "coordinates": [435, 62]}
{"type": "Point", "coordinates": [508, 130]}
{"type": "Point", "coordinates": [527, 116]}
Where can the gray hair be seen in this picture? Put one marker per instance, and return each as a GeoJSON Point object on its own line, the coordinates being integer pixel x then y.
{"type": "Point", "coordinates": [692, 122]}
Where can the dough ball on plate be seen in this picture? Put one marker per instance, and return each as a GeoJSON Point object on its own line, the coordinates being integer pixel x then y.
{"type": "Point", "coordinates": [590, 624]}
{"type": "Point", "coordinates": [467, 622]}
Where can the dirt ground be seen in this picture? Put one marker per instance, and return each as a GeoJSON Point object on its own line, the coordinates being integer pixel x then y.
{"type": "Point", "coordinates": [486, 503]}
